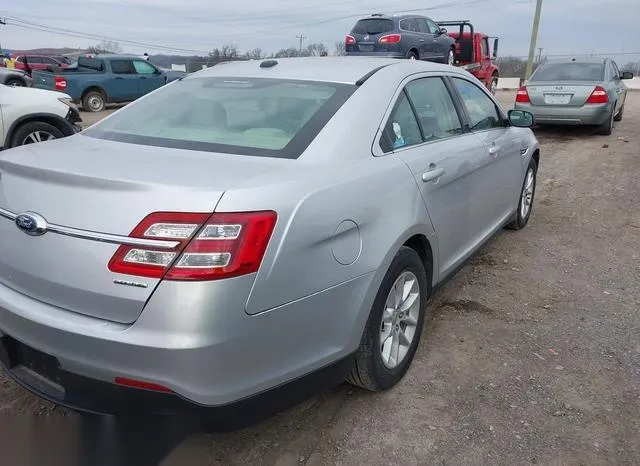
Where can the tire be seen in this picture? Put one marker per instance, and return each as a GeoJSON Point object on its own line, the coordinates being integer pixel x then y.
{"type": "Point", "coordinates": [15, 82]}
{"type": "Point", "coordinates": [527, 196]}
{"type": "Point", "coordinates": [94, 101]}
{"type": "Point", "coordinates": [493, 87]}
{"type": "Point", "coordinates": [606, 128]}
{"type": "Point", "coordinates": [450, 58]}
{"type": "Point", "coordinates": [373, 370]}
{"type": "Point", "coordinates": [618, 117]}
{"type": "Point", "coordinates": [412, 55]}
{"type": "Point", "coordinates": [33, 132]}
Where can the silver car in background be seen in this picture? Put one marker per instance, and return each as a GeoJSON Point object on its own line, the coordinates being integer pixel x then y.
{"type": "Point", "coordinates": [252, 233]}
{"type": "Point", "coordinates": [585, 91]}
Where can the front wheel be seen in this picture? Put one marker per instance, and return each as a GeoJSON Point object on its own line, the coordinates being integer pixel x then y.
{"type": "Point", "coordinates": [525, 203]}
{"type": "Point", "coordinates": [450, 58]}
{"type": "Point", "coordinates": [394, 327]}
{"type": "Point", "coordinates": [35, 131]}
{"type": "Point", "coordinates": [15, 83]}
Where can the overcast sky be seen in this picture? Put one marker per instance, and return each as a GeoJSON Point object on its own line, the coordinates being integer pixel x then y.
{"type": "Point", "coordinates": [567, 26]}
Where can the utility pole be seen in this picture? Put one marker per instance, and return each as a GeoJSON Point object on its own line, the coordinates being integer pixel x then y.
{"type": "Point", "coordinates": [534, 38]}
{"type": "Point", "coordinates": [301, 37]}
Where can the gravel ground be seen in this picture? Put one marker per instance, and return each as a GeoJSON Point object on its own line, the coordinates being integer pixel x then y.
{"type": "Point", "coordinates": [531, 355]}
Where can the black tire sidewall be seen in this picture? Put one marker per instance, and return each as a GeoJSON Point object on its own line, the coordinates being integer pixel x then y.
{"type": "Point", "coordinates": [26, 128]}
{"type": "Point", "coordinates": [449, 54]}
{"type": "Point", "coordinates": [87, 96]}
{"type": "Point", "coordinates": [411, 54]}
{"type": "Point", "coordinates": [406, 260]}
{"type": "Point", "coordinates": [14, 81]}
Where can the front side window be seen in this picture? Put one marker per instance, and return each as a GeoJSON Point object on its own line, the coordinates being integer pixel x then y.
{"type": "Point", "coordinates": [436, 112]}
{"type": "Point", "coordinates": [433, 27]}
{"type": "Point", "coordinates": [485, 47]}
{"type": "Point", "coordinates": [244, 116]}
{"type": "Point", "coordinates": [142, 67]}
{"type": "Point", "coordinates": [483, 112]}
{"type": "Point", "coordinates": [616, 70]}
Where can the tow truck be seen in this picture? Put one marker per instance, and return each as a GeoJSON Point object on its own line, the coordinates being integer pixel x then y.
{"type": "Point", "coordinates": [472, 52]}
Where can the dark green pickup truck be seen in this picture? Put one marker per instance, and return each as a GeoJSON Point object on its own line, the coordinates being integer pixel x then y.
{"type": "Point", "coordinates": [95, 82]}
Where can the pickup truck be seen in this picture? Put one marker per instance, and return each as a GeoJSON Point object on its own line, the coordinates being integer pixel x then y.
{"type": "Point", "coordinates": [472, 53]}
{"type": "Point", "coordinates": [94, 82]}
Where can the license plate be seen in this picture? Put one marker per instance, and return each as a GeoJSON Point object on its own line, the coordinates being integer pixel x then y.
{"type": "Point", "coordinates": [557, 99]}
{"type": "Point", "coordinates": [366, 48]}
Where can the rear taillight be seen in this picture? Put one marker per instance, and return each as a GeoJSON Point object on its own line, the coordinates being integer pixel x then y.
{"type": "Point", "coordinates": [522, 96]}
{"type": "Point", "coordinates": [60, 83]}
{"type": "Point", "coordinates": [390, 39]}
{"type": "Point", "coordinates": [350, 40]}
{"type": "Point", "coordinates": [598, 96]}
{"type": "Point", "coordinates": [207, 247]}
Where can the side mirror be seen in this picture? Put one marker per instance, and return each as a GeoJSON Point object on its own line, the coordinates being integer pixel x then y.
{"type": "Point", "coordinates": [626, 75]}
{"type": "Point", "coordinates": [521, 118]}
{"type": "Point", "coordinates": [441, 31]}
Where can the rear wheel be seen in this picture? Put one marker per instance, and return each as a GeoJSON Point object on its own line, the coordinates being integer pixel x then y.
{"type": "Point", "coordinates": [606, 128]}
{"type": "Point", "coordinates": [525, 203]}
{"type": "Point", "coordinates": [412, 55]}
{"type": "Point", "coordinates": [33, 132]}
{"type": "Point", "coordinates": [394, 327]}
{"type": "Point", "coordinates": [618, 117]}
{"type": "Point", "coordinates": [94, 101]}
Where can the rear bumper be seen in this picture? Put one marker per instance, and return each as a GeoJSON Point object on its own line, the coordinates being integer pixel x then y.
{"type": "Point", "coordinates": [97, 397]}
{"type": "Point", "coordinates": [585, 115]}
{"type": "Point", "coordinates": [229, 358]}
{"type": "Point", "coordinates": [376, 54]}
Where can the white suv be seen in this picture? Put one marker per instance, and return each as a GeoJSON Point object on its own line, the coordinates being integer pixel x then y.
{"type": "Point", "coordinates": [29, 115]}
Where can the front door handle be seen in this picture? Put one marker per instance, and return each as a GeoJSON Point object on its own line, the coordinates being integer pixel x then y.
{"type": "Point", "coordinates": [494, 151]}
{"type": "Point", "coordinates": [433, 175]}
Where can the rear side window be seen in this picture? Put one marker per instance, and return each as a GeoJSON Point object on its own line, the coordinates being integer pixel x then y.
{"type": "Point", "coordinates": [571, 71]}
{"type": "Point", "coordinates": [373, 26]}
{"type": "Point", "coordinates": [244, 116]}
{"type": "Point", "coordinates": [435, 109]}
{"type": "Point", "coordinates": [410, 24]}
{"type": "Point", "coordinates": [121, 67]}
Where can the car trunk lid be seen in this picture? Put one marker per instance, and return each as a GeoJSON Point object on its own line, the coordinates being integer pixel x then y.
{"type": "Point", "coordinates": [90, 190]}
{"type": "Point", "coordinates": [565, 94]}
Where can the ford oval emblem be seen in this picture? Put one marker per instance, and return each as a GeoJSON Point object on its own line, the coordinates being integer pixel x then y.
{"type": "Point", "coordinates": [31, 223]}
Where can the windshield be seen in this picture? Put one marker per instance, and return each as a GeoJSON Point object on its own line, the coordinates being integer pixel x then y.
{"type": "Point", "coordinates": [572, 71]}
{"type": "Point", "coordinates": [261, 117]}
{"type": "Point", "coordinates": [372, 26]}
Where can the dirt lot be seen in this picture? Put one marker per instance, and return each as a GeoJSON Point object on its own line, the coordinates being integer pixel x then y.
{"type": "Point", "coordinates": [532, 354]}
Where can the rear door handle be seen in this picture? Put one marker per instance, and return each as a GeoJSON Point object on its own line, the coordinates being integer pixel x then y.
{"type": "Point", "coordinates": [433, 175]}
{"type": "Point", "coordinates": [120, 78]}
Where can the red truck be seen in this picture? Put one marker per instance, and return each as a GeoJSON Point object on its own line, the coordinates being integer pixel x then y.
{"type": "Point", "coordinates": [472, 52]}
{"type": "Point", "coordinates": [29, 63]}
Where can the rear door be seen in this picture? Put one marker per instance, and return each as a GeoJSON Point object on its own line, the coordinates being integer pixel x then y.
{"type": "Point", "coordinates": [413, 37]}
{"type": "Point", "coordinates": [149, 78]}
{"type": "Point", "coordinates": [501, 160]}
{"type": "Point", "coordinates": [620, 87]}
{"type": "Point", "coordinates": [122, 83]}
{"type": "Point", "coordinates": [425, 129]}
{"type": "Point", "coordinates": [367, 33]}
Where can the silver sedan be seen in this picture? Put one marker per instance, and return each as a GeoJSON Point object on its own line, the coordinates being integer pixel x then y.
{"type": "Point", "coordinates": [252, 233]}
{"type": "Point", "coordinates": [576, 92]}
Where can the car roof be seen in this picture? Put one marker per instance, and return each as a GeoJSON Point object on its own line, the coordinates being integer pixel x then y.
{"type": "Point", "coordinates": [347, 70]}
{"type": "Point", "coordinates": [577, 60]}
{"type": "Point", "coordinates": [392, 16]}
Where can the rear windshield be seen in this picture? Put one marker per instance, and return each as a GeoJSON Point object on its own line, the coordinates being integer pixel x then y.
{"type": "Point", "coordinates": [258, 116]}
{"type": "Point", "coordinates": [372, 26]}
{"type": "Point", "coordinates": [572, 71]}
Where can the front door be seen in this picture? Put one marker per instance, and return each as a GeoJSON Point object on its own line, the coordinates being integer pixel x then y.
{"type": "Point", "coordinates": [122, 85]}
{"type": "Point", "coordinates": [621, 89]}
{"type": "Point", "coordinates": [149, 78]}
{"type": "Point", "coordinates": [426, 131]}
{"type": "Point", "coordinates": [501, 160]}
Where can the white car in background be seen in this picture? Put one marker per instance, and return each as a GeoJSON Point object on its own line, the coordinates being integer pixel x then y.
{"type": "Point", "coordinates": [29, 115]}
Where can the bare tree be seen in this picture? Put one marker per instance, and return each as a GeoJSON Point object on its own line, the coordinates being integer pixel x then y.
{"type": "Point", "coordinates": [315, 49]}
{"type": "Point", "coordinates": [106, 46]}
{"type": "Point", "coordinates": [289, 52]}
{"type": "Point", "coordinates": [226, 53]}
{"type": "Point", "coordinates": [255, 54]}
{"type": "Point", "coordinates": [340, 48]}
